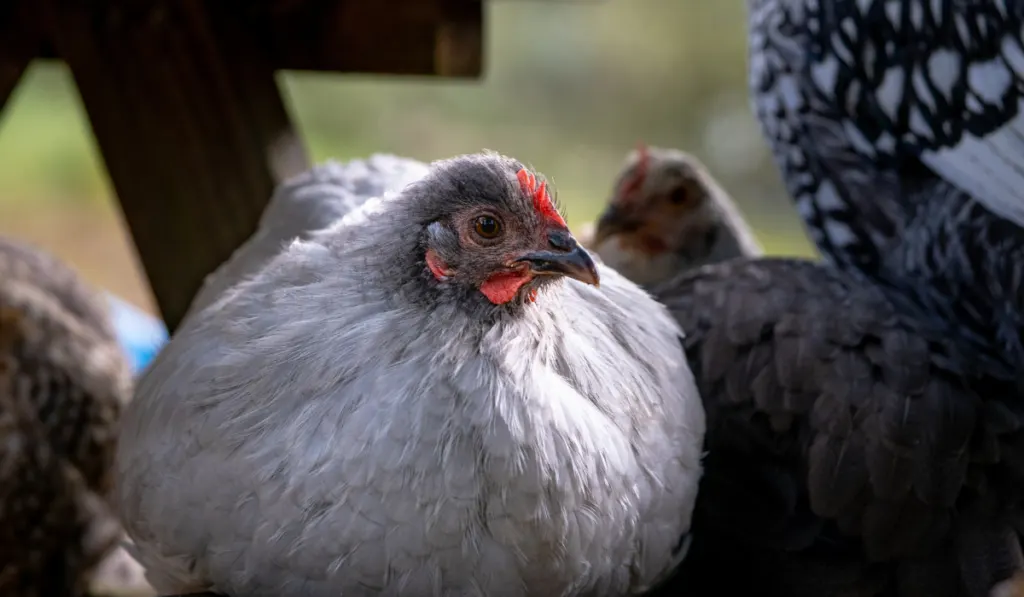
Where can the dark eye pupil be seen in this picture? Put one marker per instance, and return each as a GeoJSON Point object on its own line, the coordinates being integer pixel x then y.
{"type": "Point", "coordinates": [487, 226]}
{"type": "Point", "coordinates": [678, 196]}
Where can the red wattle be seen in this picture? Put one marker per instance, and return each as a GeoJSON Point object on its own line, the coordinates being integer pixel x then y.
{"type": "Point", "coordinates": [501, 288]}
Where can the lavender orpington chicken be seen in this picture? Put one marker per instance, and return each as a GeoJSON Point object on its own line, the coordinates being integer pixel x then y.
{"type": "Point", "coordinates": [668, 214]}
{"type": "Point", "coordinates": [429, 397]}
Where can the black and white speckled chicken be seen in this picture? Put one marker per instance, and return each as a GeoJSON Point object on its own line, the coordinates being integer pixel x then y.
{"type": "Point", "coordinates": [898, 129]}
{"type": "Point", "coordinates": [63, 381]}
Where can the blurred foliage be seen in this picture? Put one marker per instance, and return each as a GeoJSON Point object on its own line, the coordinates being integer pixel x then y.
{"type": "Point", "coordinates": [570, 87]}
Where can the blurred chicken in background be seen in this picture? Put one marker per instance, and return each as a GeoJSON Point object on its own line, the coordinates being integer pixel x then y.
{"type": "Point", "coordinates": [667, 214]}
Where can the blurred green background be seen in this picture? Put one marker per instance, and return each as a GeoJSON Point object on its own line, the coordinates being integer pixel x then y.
{"type": "Point", "coordinates": [569, 87]}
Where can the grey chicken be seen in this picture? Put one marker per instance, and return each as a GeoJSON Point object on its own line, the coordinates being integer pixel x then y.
{"type": "Point", "coordinates": [431, 396]}
{"type": "Point", "coordinates": [853, 448]}
{"type": "Point", "coordinates": [63, 380]}
{"type": "Point", "coordinates": [667, 214]}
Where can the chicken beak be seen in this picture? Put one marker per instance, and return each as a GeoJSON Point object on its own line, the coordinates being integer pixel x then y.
{"type": "Point", "coordinates": [612, 221]}
{"type": "Point", "coordinates": [566, 258]}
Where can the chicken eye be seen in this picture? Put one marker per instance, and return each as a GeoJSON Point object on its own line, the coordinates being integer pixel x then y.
{"type": "Point", "coordinates": [678, 196]}
{"type": "Point", "coordinates": [487, 227]}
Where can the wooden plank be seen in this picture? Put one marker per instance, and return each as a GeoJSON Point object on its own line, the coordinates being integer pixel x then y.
{"type": "Point", "coordinates": [400, 37]}
{"type": "Point", "coordinates": [442, 38]}
{"type": "Point", "coordinates": [20, 42]}
{"type": "Point", "coordinates": [191, 125]}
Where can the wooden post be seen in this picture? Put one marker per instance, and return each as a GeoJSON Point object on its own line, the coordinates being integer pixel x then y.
{"type": "Point", "coordinates": [20, 41]}
{"type": "Point", "coordinates": [193, 131]}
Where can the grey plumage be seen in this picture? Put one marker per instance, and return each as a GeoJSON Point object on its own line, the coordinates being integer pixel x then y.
{"type": "Point", "coordinates": [63, 381]}
{"type": "Point", "coordinates": [343, 419]}
{"type": "Point", "coordinates": [305, 204]}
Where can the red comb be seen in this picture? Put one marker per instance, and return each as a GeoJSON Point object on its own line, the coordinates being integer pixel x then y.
{"type": "Point", "coordinates": [645, 157]}
{"type": "Point", "coordinates": [541, 200]}
{"type": "Point", "coordinates": [633, 183]}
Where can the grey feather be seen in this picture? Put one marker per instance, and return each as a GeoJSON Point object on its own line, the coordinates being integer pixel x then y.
{"type": "Point", "coordinates": [308, 202]}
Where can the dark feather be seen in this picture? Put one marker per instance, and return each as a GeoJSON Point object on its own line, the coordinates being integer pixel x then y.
{"type": "Point", "coordinates": [864, 491]}
{"type": "Point", "coordinates": [896, 128]}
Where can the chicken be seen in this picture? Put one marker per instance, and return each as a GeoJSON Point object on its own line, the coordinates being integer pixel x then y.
{"type": "Point", "coordinates": [667, 214]}
{"type": "Point", "coordinates": [63, 381]}
{"type": "Point", "coordinates": [855, 448]}
{"type": "Point", "coordinates": [897, 127]}
{"type": "Point", "coordinates": [431, 396]}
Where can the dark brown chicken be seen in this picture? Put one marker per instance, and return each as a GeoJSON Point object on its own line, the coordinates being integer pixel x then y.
{"type": "Point", "coordinates": [63, 381]}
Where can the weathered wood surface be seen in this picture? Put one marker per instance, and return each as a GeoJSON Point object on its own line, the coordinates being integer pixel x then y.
{"type": "Point", "coordinates": [441, 38]}
{"type": "Point", "coordinates": [405, 37]}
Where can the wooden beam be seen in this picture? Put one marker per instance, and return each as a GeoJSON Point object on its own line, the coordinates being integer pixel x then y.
{"type": "Point", "coordinates": [20, 42]}
{"type": "Point", "coordinates": [402, 37]}
{"type": "Point", "coordinates": [362, 36]}
{"type": "Point", "coordinates": [441, 38]}
{"type": "Point", "coordinates": [193, 131]}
